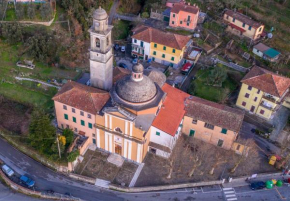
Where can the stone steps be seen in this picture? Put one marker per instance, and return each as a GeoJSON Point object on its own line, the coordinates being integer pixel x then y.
{"type": "Point", "coordinates": [102, 183]}
{"type": "Point", "coordinates": [136, 175]}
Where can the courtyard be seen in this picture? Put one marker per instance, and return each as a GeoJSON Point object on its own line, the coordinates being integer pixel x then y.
{"type": "Point", "coordinates": [96, 165]}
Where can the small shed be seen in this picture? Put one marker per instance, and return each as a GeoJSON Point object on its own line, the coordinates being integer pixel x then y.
{"type": "Point", "coordinates": [260, 49]}
{"type": "Point", "coordinates": [271, 55]}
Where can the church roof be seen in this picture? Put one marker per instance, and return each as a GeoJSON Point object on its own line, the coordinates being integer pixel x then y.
{"type": "Point", "coordinates": [82, 97]}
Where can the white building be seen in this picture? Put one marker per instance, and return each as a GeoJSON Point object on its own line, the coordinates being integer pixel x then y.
{"type": "Point", "coordinates": [140, 49]}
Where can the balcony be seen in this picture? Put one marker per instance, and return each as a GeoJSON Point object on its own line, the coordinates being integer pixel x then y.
{"type": "Point", "coordinates": [187, 21]}
{"type": "Point", "coordinates": [266, 105]}
{"type": "Point", "coordinates": [270, 98]}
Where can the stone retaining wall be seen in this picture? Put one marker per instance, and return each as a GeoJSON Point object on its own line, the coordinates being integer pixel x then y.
{"type": "Point", "coordinates": [162, 188]}
{"type": "Point", "coordinates": [82, 178]}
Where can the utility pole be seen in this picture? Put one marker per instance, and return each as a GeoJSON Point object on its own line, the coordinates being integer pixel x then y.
{"type": "Point", "coordinates": [58, 146]}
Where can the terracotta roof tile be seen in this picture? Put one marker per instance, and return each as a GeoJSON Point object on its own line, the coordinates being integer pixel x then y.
{"type": "Point", "coordinates": [149, 34]}
{"type": "Point", "coordinates": [214, 113]}
{"type": "Point", "coordinates": [243, 18]}
{"type": "Point", "coordinates": [119, 73]}
{"type": "Point", "coordinates": [82, 97]}
{"type": "Point", "coordinates": [172, 110]}
{"type": "Point", "coordinates": [186, 8]}
{"type": "Point", "coordinates": [267, 81]}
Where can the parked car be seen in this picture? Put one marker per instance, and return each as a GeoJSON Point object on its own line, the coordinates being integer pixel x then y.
{"type": "Point", "coordinates": [7, 170]}
{"type": "Point", "coordinates": [122, 65]}
{"type": "Point", "coordinates": [123, 48]}
{"type": "Point", "coordinates": [27, 181]}
{"type": "Point", "coordinates": [257, 185]}
{"type": "Point", "coordinates": [135, 61]}
{"type": "Point", "coordinates": [117, 47]}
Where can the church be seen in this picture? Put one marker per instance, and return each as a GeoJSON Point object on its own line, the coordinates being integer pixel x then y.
{"type": "Point", "coordinates": [123, 112]}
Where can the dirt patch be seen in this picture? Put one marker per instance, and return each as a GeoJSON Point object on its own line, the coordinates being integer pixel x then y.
{"type": "Point", "coordinates": [14, 116]}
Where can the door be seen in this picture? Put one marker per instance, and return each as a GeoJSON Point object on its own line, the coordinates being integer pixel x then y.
{"type": "Point", "coordinates": [94, 141]}
{"type": "Point", "coordinates": [220, 143]}
{"type": "Point", "coordinates": [252, 108]}
{"type": "Point", "coordinates": [191, 133]}
{"type": "Point", "coordinates": [118, 149]}
{"type": "Point", "coordinates": [146, 57]}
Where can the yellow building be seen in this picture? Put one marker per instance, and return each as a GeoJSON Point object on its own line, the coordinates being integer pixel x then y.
{"type": "Point", "coordinates": [263, 92]}
{"type": "Point", "coordinates": [163, 47]}
{"type": "Point", "coordinates": [243, 25]}
{"type": "Point", "coordinates": [212, 122]}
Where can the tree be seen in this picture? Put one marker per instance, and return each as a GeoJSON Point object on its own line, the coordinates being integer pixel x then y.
{"type": "Point", "coordinates": [145, 15]}
{"type": "Point", "coordinates": [20, 13]}
{"type": "Point", "coordinates": [12, 32]}
{"type": "Point", "coordinates": [217, 76]}
{"type": "Point", "coordinates": [31, 10]}
{"type": "Point", "coordinates": [192, 88]}
{"type": "Point", "coordinates": [46, 11]}
{"type": "Point", "coordinates": [72, 156]}
{"type": "Point", "coordinates": [41, 133]}
{"type": "Point", "coordinates": [69, 135]}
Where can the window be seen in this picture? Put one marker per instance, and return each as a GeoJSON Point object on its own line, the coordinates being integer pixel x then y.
{"type": "Point", "coordinates": [194, 121]}
{"type": "Point", "coordinates": [98, 42]}
{"type": "Point", "coordinates": [172, 22]}
{"type": "Point", "coordinates": [250, 28]}
{"type": "Point", "coordinates": [187, 23]}
{"type": "Point", "coordinates": [135, 41]}
{"type": "Point", "coordinates": [142, 43]}
{"type": "Point", "coordinates": [247, 95]}
{"type": "Point", "coordinates": [244, 24]}
{"type": "Point", "coordinates": [157, 133]}
{"type": "Point", "coordinates": [118, 130]}
{"type": "Point", "coordinates": [62, 126]}
{"type": "Point", "coordinates": [94, 141]}
{"type": "Point", "coordinates": [260, 29]}
{"type": "Point", "coordinates": [173, 50]}
{"type": "Point", "coordinates": [172, 58]}
{"type": "Point", "coordinates": [250, 88]}
{"type": "Point", "coordinates": [74, 120]}
{"type": "Point", "coordinates": [180, 22]}
{"type": "Point", "coordinates": [191, 132]}
{"type": "Point", "coordinates": [220, 143]}
{"type": "Point", "coordinates": [64, 107]}
{"type": "Point", "coordinates": [90, 125]}
{"type": "Point", "coordinates": [76, 130]}
{"type": "Point", "coordinates": [244, 103]}
{"type": "Point", "coordinates": [73, 110]}
{"type": "Point", "coordinates": [89, 116]}
{"type": "Point", "coordinates": [238, 147]}
{"type": "Point", "coordinates": [67, 126]}
{"type": "Point", "coordinates": [255, 99]}
{"type": "Point", "coordinates": [108, 41]}
{"type": "Point", "coordinates": [155, 45]}
{"type": "Point", "coordinates": [82, 113]}
{"type": "Point", "coordinates": [258, 92]}
{"type": "Point", "coordinates": [82, 122]}
{"type": "Point", "coordinates": [164, 47]}
{"type": "Point", "coordinates": [66, 116]}
{"type": "Point", "coordinates": [262, 111]}
{"type": "Point", "coordinates": [163, 55]}
{"type": "Point", "coordinates": [173, 15]}
{"type": "Point", "coordinates": [153, 58]}
{"type": "Point", "coordinates": [94, 135]}
{"type": "Point", "coordinates": [154, 52]}
{"type": "Point", "coordinates": [224, 131]}
{"type": "Point", "coordinates": [209, 126]}
{"type": "Point", "coordinates": [234, 19]}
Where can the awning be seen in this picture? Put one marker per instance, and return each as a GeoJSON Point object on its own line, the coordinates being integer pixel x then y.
{"type": "Point", "coordinates": [237, 27]}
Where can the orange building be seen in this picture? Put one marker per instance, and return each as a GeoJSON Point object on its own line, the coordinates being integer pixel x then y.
{"type": "Point", "coordinates": [212, 122]}
{"type": "Point", "coordinates": [184, 16]}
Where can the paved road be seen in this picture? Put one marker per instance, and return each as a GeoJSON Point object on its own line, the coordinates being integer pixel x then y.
{"type": "Point", "coordinates": [113, 11]}
{"type": "Point", "coordinates": [33, 80]}
{"type": "Point", "coordinates": [47, 179]}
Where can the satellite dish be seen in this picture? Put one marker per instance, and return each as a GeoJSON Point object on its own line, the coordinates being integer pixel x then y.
{"type": "Point", "coordinates": [270, 35]}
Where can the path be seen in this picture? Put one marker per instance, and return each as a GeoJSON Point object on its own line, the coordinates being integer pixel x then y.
{"type": "Point", "coordinates": [113, 11]}
{"type": "Point", "coordinates": [127, 17]}
{"type": "Point", "coordinates": [33, 80]}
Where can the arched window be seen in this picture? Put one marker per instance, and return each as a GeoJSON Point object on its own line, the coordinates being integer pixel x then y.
{"type": "Point", "coordinates": [118, 130]}
{"type": "Point", "coordinates": [139, 76]}
{"type": "Point", "coordinates": [98, 44]}
{"type": "Point", "coordinates": [108, 41]}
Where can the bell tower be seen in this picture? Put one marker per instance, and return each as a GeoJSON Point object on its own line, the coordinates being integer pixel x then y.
{"type": "Point", "coordinates": [101, 55]}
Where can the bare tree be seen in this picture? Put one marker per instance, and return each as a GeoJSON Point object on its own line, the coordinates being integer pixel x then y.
{"type": "Point", "coordinates": [220, 159]}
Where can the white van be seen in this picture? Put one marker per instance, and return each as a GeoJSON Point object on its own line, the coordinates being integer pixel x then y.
{"type": "Point", "coordinates": [7, 170]}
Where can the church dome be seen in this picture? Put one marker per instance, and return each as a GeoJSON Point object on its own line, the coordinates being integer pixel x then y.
{"type": "Point", "coordinates": [136, 88]}
{"type": "Point", "coordinates": [100, 14]}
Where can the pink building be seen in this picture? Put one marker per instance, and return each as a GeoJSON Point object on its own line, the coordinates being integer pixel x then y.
{"type": "Point", "coordinates": [171, 3]}
{"type": "Point", "coordinates": [184, 16]}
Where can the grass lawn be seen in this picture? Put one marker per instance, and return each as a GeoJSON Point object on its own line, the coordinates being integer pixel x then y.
{"type": "Point", "coordinates": [179, 31]}
{"type": "Point", "coordinates": [216, 94]}
{"type": "Point", "coordinates": [26, 92]}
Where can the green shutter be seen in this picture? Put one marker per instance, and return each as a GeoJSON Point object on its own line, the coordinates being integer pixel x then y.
{"type": "Point", "coordinates": [157, 133]}
{"type": "Point", "coordinates": [66, 116]}
{"type": "Point", "coordinates": [191, 133]}
{"type": "Point", "coordinates": [154, 52]}
{"type": "Point", "coordinates": [90, 125]}
{"type": "Point", "coordinates": [172, 58]}
{"type": "Point", "coordinates": [163, 55]}
{"type": "Point", "coordinates": [74, 120]}
{"type": "Point", "coordinates": [224, 131]}
{"type": "Point", "coordinates": [142, 43]}
{"type": "Point", "coordinates": [164, 47]}
{"type": "Point", "coordinates": [173, 50]}
{"type": "Point", "coordinates": [155, 45]}
{"type": "Point", "coordinates": [82, 122]}
{"type": "Point", "coordinates": [153, 58]}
